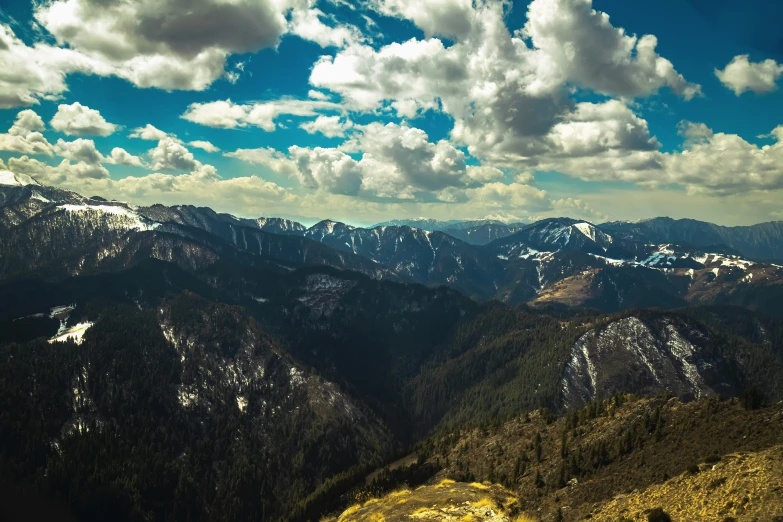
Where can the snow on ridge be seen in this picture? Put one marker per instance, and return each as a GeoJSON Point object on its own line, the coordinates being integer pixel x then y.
{"type": "Point", "coordinates": [586, 228]}
{"type": "Point", "coordinates": [724, 260]}
{"type": "Point", "coordinates": [116, 210]}
{"type": "Point", "coordinates": [16, 180]}
{"type": "Point", "coordinates": [76, 332]}
{"type": "Point", "coordinates": [39, 197]}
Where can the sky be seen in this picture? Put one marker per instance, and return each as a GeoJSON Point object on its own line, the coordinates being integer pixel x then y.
{"type": "Point", "coordinates": [365, 111]}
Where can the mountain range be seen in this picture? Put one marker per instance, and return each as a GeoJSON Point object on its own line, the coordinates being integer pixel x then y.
{"type": "Point", "coordinates": [196, 365]}
{"type": "Point", "coordinates": [552, 262]}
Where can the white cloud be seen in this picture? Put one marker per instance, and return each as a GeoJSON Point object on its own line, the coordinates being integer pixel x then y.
{"type": "Point", "coordinates": [79, 150]}
{"type": "Point", "coordinates": [164, 43]}
{"type": "Point", "coordinates": [742, 75]}
{"type": "Point", "coordinates": [60, 174]}
{"type": "Point", "coordinates": [204, 145]}
{"type": "Point", "coordinates": [120, 156]}
{"type": "Point", "coordinates": [586, 49]}
{"type": "Point", "coordinates": [578, 208]}
{"type": "Point", "coordinates": [79, 120]}
{"type": "Point", "coordinates": [402, 160]}
{"type": "Point", "coordinates": [329, 169]}
{"type": "Point", "coordinates": [498, 196]}
{"type": "Point", "coordinates": [484, 174]}
{"type": "Point", "coordinates": [450, 18]}
{"type": "Point", "coordinates": [275, 160]}
{"type": "Point", "coordinates": [30, 74]}
{"type": "Point", "coordinates": [148, 132]}
{"type": "Point", "coordinates": [510, 99]}
{"type": "Point", "coordinates": [219, 114]}
{"type": "Point", "coordinates": [329, 126]}
{"type": "Point", "coordinates": [317, 95]}
{"type": "Point", "coordinates": [170, 154]}
{"type": "Point", "coordinates": [229, 115]}
{"type": "Point", "coordinates": [725, 164]}
{"type": "Point", "coordinates": [308, 24]}
{"type": "Point", "coordinates": [25, 136]}
{"type": "Point", "coordinates": [419, 71]}
{"type": "Point", "coordinates": [397, 162]}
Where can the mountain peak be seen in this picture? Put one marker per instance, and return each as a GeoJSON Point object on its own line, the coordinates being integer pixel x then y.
{"type": "Point", "coordinates": [16, 180]}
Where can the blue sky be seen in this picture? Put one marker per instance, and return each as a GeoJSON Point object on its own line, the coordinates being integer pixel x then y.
{"type": "Point", "coordinates": [443, 108]}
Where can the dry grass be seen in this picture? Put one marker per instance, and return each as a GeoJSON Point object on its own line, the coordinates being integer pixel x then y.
{"type": "Point", "coordinates": [448, 501]}
{"type": "Point", "coordinates": [743, 487]}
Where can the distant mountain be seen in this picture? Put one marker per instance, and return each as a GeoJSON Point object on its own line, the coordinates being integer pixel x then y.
{"type": "Point", "coordinates": [481, 234]}
{"type": "Point", "coordinates": [62, 233]}
{"type": "Point", "coordinates": [761, 242]}
{"type": "Point", "coordinates": [422, 223]}
{"type": "Point", "coordinates": [555, 234]}
{"type": "Point", "coordinates": [553, 262]}
{"type": "Point", "coordinates": [435, 225]}
{"type": "Point", "coordinates": [423, 256]}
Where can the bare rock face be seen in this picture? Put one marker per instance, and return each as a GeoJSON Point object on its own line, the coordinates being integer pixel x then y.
{"type": "Point", "coordinates": [645, 356]}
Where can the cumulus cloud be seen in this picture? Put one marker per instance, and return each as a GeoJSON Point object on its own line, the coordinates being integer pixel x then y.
{"type": "Point", "coordinates": [275, 160]}
{"type": "Point", "coordinates": [169, 44]}
{"type": "Point", "coordinates": [330, 169]}
{"type": "Point", "coordinates": [79, 120]}
{"type": "Point", "coordinates": [79, 150]}
{"type": "Point", "coordinates": [449, 18]}
{"type": "Point", "coordinates": [60, 174]}
{"type": "Point", "coordinates": [509, 94]}
{"type": "Point", "coordinates": [204, 145]}
{"type": "Point", "coordinates": [514, 196]}
{"type": "Point", "coordinates": [171, 155]}
{"type": "Point", "coordinates": [225, 114]}
{"type": "Point", "coordinates": [586, 49]}
{"type": "Point", "coordinates": [397, 162]}
{"type": "Point", "coordinates": [120, 156]}
{"type": "Point", "coordinates": [578, 208]}
{"type": "Point", "coordinates": [742, 75]}
{"type": "Point", "coordinates": [25, 136]}
{"type": "Point", "coordinates": [329, 126]}
{"type": "Point", "coordinates": [29, 74]}
{"type": "Point", "coordinates": [148, 132]}
{"type": "Point", "coordinates": [317, 95]}
{"type": "Point", "coordinates": [308, 24]}
{"type": "Point", "coordinates": [725, 164]}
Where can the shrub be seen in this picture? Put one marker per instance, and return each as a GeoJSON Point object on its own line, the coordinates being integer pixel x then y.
{"type": "Point", "coordinates": [658, 515]}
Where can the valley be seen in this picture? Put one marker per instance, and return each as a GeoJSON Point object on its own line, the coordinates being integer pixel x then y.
{"type": "Point", "coordinates": [258, 355]}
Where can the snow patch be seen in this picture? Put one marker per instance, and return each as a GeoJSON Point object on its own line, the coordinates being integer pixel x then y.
{"type": "Point", "coordinates": [16, 180]}
{"type": "Point", "coordinates": [76, 332]}
{"type": "Point", "coordinates": [138, 222]}
{"type": "Point", "coordinates": [587, 229]}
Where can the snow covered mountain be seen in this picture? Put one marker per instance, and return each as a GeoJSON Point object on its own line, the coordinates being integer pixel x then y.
{"type": "Point", "coordinates": [423, 223]}
{"type": "Point", "coordinates": [421, 255]}
{"type": "Point", "coordinates": [553, 262]}
{"type": "Point", "coordinates": [761, 242]}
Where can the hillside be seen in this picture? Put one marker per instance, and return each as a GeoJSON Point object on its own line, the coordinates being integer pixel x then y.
{"type": "Point", "coordinates": [639, 453]}
{"type": "Point", "coordinates": [741, 486]}
{"type": "Point", "coordinates": [445, 501]}
{"type": "Point", "coordinates": [622, 459]}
